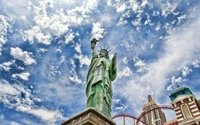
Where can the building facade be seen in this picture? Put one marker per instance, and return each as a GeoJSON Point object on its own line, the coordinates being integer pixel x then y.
{"type": "Point", "coordinates": [152, 117]}
{"type": "Point", "coordinates": [171, 122]}
{"type": "Point", "coordinates": [185, 106]}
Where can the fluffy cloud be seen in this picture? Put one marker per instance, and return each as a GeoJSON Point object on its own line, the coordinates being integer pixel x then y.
{"type": "Point", "coordinates": [186, 70]}
{"type": "Point", "coordinates": [176, 80]}
{"type": "Point", "coordinates": [4, 26]}
{"type": "Point", "coordinates": [97, 31]}
{"type": "Point", "coordinates": [48, 24]}
{"type": "Point", "coordinates": [6, 65]}
{"type": "Point", "coordinates": [24, 76]}
{"type": "Point", "coordinates": [10, 96]}
{"type": "Point", "coordinates": [24, 56]}
{"type": "Point", "coordinates": [36, 32]}
{"type": "Point", "coordinates": [125, 60]}
{"type": "Point", "coordinates": [139, 63]}
{"type": "Point", "coordinates": [125, 72]}
{"type": "Point", "coordinates": [196, 63]}
{"type": "Point", "coordinates": [84, 60]}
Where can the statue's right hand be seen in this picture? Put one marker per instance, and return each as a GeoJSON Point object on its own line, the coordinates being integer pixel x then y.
{"type": "Point", "coordinates": [93, 43]}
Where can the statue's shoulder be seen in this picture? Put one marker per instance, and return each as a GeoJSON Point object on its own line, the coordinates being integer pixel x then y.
{"type": "Point", "coordinates": [107, 61]}
{"type": "Point", "coordinates": [95, 57]}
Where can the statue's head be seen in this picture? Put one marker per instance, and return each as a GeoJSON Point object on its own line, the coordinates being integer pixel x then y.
{"type": "Point", "coordinates": [104, 53]}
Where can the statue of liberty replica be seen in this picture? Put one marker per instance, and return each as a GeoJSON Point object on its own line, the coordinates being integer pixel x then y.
{"type": "Point", "coordinates": [98, 90]}
{"type": "Point", "coordinates": [101, 73]}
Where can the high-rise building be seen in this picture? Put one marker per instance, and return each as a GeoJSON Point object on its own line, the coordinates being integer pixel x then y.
{"type": "Point", "coordinates": [185, 106]}
{"type": "Point", "coordinates": [153, 117]}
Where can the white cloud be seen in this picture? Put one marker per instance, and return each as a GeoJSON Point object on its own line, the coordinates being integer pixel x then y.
{"type": "Point", "coordinates": [195, 63]}
{"type": "Point", "coordinates": [144, 3]}
{"type": "Point", "coordinates": [42, 38]}
{"type": "Point", "coordinates": [12, 93]}
{"type": "Point", "coordinates": [36, 33]}
{"type": "Point", "coordinates": [54, 70]}
{"type": "Point", "coordinates": [14, 123]}
{"type": "Point", "coordinates": [43, 50]}
{"type": "Point", "coordinates": [4, 26]}
{"type": "Point", "coordinates": [147, 21]}
{"type": "Point", "coordinates": [121, 108]}
{"type": "Point", "coordinates": [186, 70]}
{"type": "Point", "coordinates": [178, 53]}
{"type": "Point", "coordinates": [137, 22]}
{"type": "Point", "coordinates": [122, 22]}
{"type": "Point", "coordinates": [169, 87]}
{"type": "Point", "coordinates": [125, 72]}
{"type": "Point", "coordinates": [62, 59]}
{"type": "Point", "coordinates": [57, 21]}
{"type": "Point", "coordinates": [180, 18]}
{"type": "Point", "coordinates": [78, 48]}
{"type": "Point", "coordinates": [24, 76]}
{"type": "Point", "coordinates": [176, 80]}
{"type": "Point", "coordinates": [158, 27]}
{"type": "Point", "coordinates": [167, 7]}
{"type": "Point", "coordinates": [97, 31]}
{"type": "Point", "coordinates": [179, 50]}
{"type": "Point", "coordinates": [141, 66]}
{"type": "Point", "coordinates": [133, 90]}
{"type": "Point", "coordinates": [75, 78]}
{"type": "Point", "coordinates": [116, 101]}
{"type": "Point", "coordinates": [139, 63]}
{"type": "Point", "coordinates": [69, 37]}
{"type": "Point", "coordinates": [24, 56]}
{"type": "Point", "coordinates": [92, 4]}
{"type": "Point", "coordinates": [151, 46]}
{"type": "Point", "coordinates": [8, 89]}
{"type": "Point", "coordinates": [6, 65]}
{"type": "Point", "coordinates": [73, 75]}
{"type": "Point", "coordinates": [121, 7]}
{"type": "Point", "coordinates": [125, 60]}
{"type": "Point", "coordinates": [46, 115]}
{"type": "Point", "coordinates": [84, 60]}
{"type": "Point", "coordinates": [58, 50]}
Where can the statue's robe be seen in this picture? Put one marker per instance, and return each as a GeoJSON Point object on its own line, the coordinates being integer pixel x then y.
{"type": "Point", "coordinates": [99, 88]}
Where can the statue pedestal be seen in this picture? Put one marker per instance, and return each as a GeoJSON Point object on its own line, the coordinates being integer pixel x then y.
{"type": "Point", "coordinates": [89, 117]}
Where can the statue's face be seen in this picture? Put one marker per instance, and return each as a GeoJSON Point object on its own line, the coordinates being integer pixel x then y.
{"type": "Point", "coordinates": [103, 53]}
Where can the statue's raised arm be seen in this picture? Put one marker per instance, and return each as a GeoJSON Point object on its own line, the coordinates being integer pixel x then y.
{"type": "Point", "coordinates": [93, 44]}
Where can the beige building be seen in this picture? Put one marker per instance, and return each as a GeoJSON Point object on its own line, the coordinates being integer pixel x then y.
{"type": "Point", "coordinates": [171, 122]}
{"type": "Point", "coordinates": [152, 117]}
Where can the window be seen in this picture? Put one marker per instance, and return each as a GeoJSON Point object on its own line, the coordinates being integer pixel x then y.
{"type": "Point", "coordinates": [186, 111]}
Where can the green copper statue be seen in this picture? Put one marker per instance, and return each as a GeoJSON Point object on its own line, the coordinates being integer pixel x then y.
{"type": "Point", "coordinates": [100, 74]}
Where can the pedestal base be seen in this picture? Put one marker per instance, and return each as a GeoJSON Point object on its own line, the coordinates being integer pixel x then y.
{"type": "Point", "coordinates": [89, 117]}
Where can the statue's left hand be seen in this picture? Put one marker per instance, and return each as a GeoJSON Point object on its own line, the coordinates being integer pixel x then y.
{"type": "Point", "coordinates": [114, 59]}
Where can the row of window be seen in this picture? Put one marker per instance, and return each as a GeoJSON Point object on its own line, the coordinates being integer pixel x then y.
{"type": "Point", "coordinates": [157, 115]}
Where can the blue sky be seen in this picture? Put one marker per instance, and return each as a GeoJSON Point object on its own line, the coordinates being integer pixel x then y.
{"type": "Point", "coordinates": [45, 53]}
